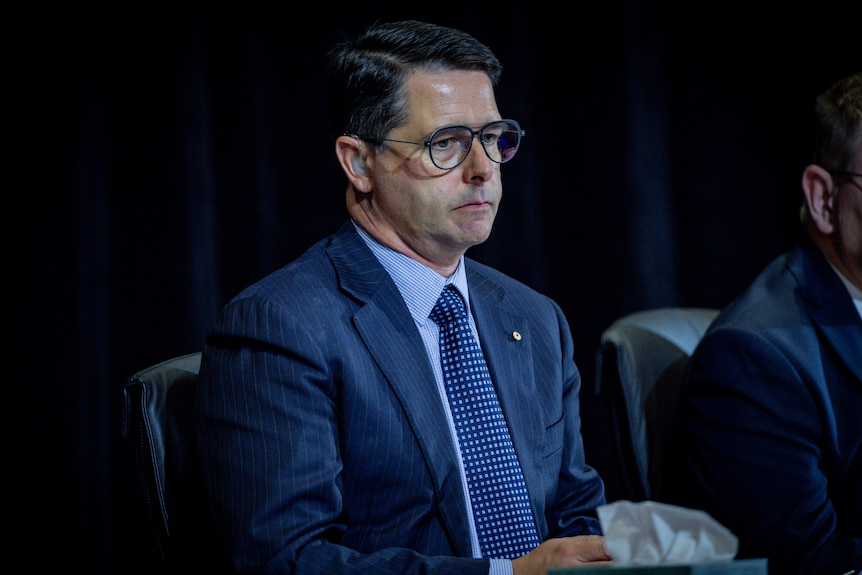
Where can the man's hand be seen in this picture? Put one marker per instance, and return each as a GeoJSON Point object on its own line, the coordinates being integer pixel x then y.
{"type": "Point", "coordinates": [579, 551]}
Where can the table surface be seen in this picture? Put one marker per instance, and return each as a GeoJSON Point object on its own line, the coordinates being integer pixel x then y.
{"type": "Point", "coordinates": [737, 567]}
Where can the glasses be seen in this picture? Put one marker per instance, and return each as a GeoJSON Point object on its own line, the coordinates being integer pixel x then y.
{"type": "Point", "coordinates": [849, 175]}
{"type": "Point", "coordinates": [450, 145]}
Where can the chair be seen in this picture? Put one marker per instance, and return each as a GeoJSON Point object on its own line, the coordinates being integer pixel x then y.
{"type": "Point", "coordinates": [159, 432]}
{"type": "Point", "coordinates": [640, 364]}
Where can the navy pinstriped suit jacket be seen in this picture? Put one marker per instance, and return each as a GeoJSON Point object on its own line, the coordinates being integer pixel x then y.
{"type": "Point", "coordinates": [323, 438]}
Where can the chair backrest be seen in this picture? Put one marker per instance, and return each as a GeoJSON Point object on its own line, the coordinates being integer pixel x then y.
{"type": "Point", "coordinates": [158, 429]}
{"type": "Point", "coordinates": [640, 365]}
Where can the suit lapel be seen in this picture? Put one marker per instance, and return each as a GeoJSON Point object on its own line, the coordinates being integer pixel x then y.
{"type": "Point", "coordinates": [505, 338]}
{"type": "Point", "coordinates": [384, 324]}
{"type": "Point", "coordinates": [831, 308]}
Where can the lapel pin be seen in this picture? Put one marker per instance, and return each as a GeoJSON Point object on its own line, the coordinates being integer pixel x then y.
{"type": "Point", "coordinates": [516, 335]}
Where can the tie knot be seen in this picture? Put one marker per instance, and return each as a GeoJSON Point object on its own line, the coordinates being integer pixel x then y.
{"type": "Point", "coordinates": [449, 307]}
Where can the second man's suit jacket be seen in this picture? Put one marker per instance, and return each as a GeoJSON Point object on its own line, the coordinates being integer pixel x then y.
{"type": "Point", "coordinates": [772, 417]}
{"type": "Point", "coordinates": [323, 437]}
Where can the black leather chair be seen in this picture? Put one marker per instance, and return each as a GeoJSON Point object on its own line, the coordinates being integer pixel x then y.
{"type": "Point", "coordinates": [640, 364]}
{"type": "Point", "coordinates": [158, 429]}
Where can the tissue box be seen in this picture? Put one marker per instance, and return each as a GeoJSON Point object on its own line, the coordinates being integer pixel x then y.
{"type": "Point", "coordinates": [737, 567]}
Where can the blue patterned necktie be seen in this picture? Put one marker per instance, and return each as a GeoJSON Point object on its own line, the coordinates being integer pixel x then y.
{"type": "Point", "coordinates": [501, 505]}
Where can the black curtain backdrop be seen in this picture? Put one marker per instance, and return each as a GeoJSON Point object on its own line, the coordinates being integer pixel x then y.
{"type": "Point", "coordinates": [165, 155]}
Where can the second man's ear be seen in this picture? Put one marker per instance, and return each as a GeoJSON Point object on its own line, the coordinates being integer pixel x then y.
{"type": "Point", "coordinates": [818, 188]}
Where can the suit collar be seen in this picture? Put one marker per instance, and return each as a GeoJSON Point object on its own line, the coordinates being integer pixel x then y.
{"type": "Point", "coordinates": [359, 272]}
{"type": "Point", "coordinates": [829, 305]}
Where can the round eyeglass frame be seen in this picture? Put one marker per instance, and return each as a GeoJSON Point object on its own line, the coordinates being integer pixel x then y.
{"type": "Point", "coordinates": [473, 133]}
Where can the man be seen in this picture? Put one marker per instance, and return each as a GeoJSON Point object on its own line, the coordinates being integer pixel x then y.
{"type": "Point", "coordinates": [328, 440]}
{"type": "Point", "coordinates": [772, 411]}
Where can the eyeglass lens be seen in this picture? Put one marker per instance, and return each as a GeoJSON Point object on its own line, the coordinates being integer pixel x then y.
{"type": "Point", "coordinates": [450, 146]}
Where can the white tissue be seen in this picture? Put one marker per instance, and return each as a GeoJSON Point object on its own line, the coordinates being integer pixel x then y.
{"type": "Point", "coordinates": [649, 533]}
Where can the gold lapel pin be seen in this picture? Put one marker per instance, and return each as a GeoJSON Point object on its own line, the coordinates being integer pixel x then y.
{"type": "Point", "coordinates": [516, 335]}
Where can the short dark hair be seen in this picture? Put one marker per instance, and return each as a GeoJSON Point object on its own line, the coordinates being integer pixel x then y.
{"type": "Point", "coordinates": [368, 74]}
{"type": "Point", "coordinates": [837, 122]}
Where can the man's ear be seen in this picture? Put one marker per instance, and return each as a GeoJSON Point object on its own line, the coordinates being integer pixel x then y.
{"type": "Point", "coordinates": [351, 155]}
{"type": "Point", "coordinates": [817, 186]}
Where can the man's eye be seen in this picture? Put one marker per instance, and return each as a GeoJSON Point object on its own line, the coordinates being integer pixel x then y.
{"type": "Point", "coordinates": [490, 138]}
{"type": "Point", "coordinates": [443, 143]}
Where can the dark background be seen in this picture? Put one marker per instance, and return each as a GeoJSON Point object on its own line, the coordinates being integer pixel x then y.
{"type": "Point", "coordinates": [164, 155]}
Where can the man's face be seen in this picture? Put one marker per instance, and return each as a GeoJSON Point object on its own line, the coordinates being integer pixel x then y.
{"type": "Point", "coordinates": [431, 214]}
